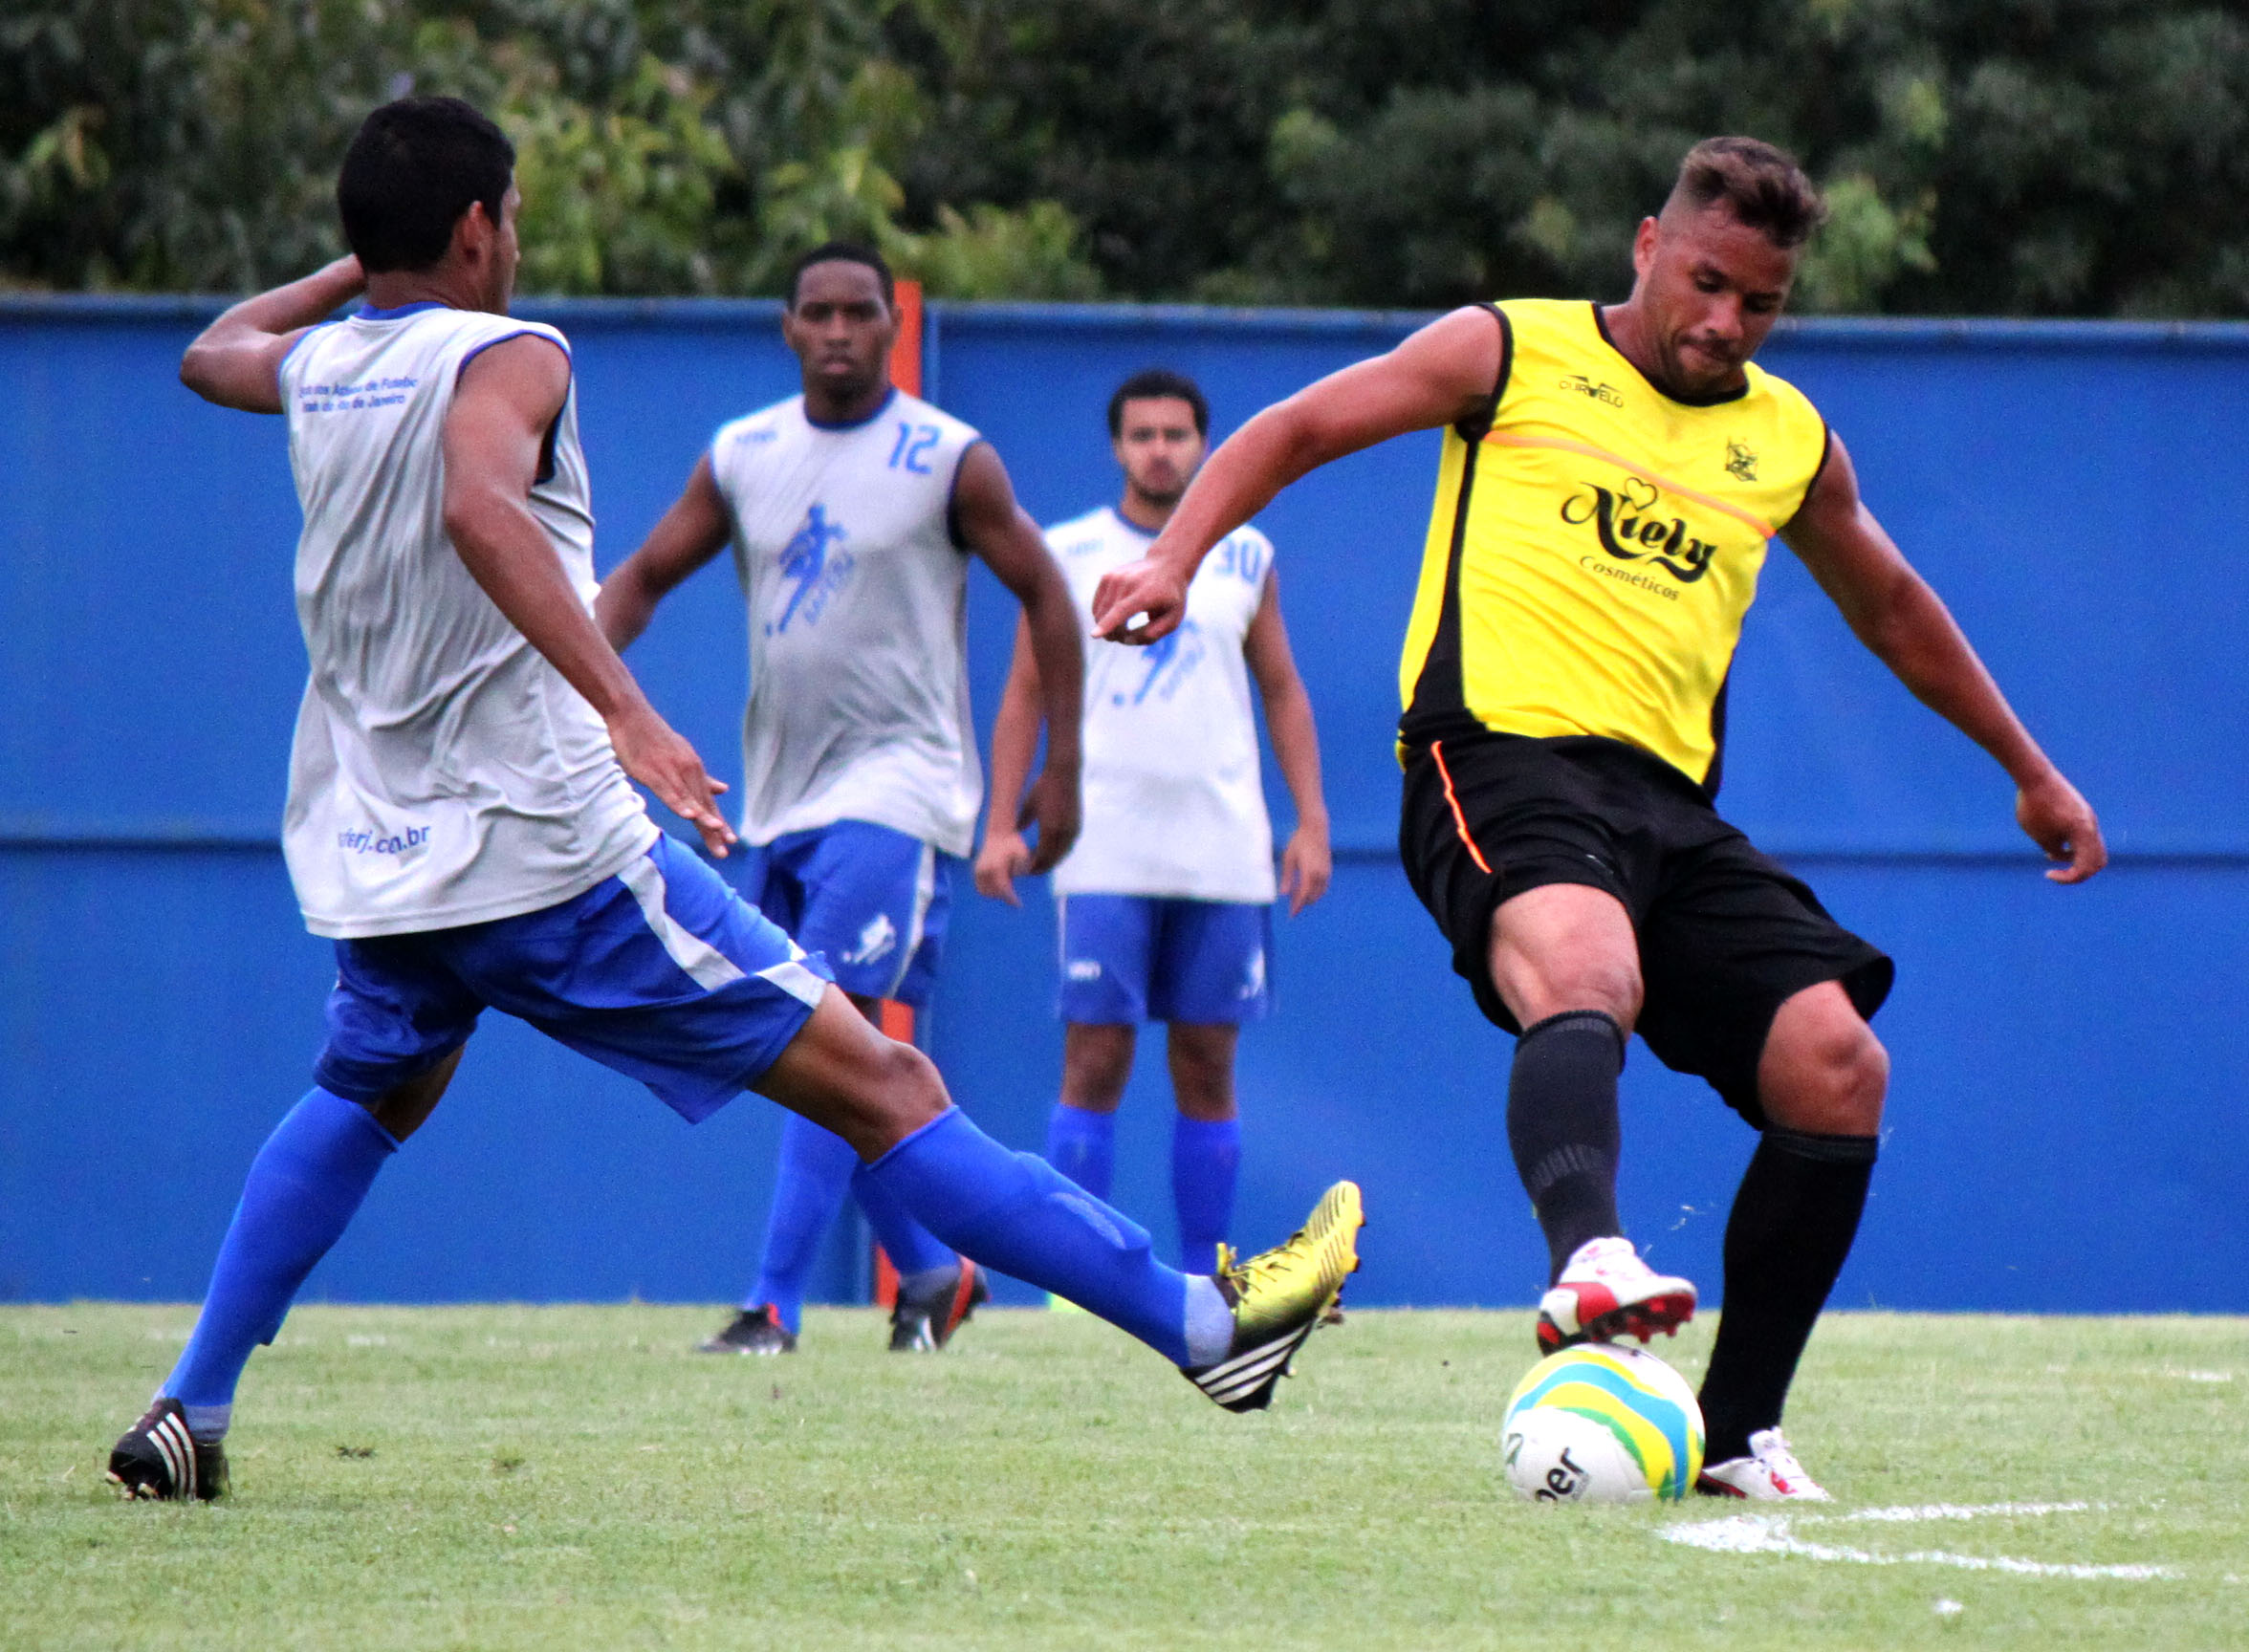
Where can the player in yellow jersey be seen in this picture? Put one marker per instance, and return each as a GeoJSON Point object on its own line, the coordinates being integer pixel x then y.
{"type": "Point", "coordinates": [1610, 479]}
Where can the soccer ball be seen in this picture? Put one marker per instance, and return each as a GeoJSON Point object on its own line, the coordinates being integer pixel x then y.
{"type": "Point", "coordinates": [1601, 1424]}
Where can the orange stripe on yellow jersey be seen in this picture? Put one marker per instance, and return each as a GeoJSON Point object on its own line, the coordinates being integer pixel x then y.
{"type": "Point", "coordinates": [1593, 549]}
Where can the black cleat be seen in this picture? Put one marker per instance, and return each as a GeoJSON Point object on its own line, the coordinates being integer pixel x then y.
{"type": "Point", "coordinates": [158, 1458]}
{"type": "Point", "coordinates": [924, 1323]}
{"type": "Point", "coordinates": [753, 1330]}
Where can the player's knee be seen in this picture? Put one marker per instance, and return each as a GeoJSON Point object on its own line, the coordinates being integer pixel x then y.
{"type": "Point", "coordinates": [1610, 986]}
{"type": "Point", "coordinates": [1864, 1080]}
{"type": "Point", "coordinates": [1832, 1079]}
{"type": "Point", "coordinates": [892, 1091]}
{"type": "Point", "coordinates": [1562, 948]}
{"type": "Point", "coordinates": [1096, 1061]}
{"type": "Point", "coordinates": [1203, 1054]}
{"type": "Point", "coordinates": [1202, 1076]}
{"type": "Point", "coordinates": [909, 1085]}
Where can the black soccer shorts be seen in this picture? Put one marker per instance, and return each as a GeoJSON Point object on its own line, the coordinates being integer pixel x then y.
{"type": "Point", "coordinates": [1726, 934]}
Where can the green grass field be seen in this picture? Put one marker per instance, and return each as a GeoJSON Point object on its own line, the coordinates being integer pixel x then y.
{"type": "Point", "coordinates": [499, 1477]}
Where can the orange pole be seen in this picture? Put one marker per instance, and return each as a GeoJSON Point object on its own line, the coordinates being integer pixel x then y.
{"type": "Point", "coordinates": [894, 1019]}
{"type": "Point", "coordinates": [906, 351]}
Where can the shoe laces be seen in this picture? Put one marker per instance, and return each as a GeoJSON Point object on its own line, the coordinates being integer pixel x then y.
{"type": "Point", "coordinates": [1607, 1259]}
{"type": "Point", "coordinates": [1242, 1275]}
{"type": "Point", "coordinates": [1770, 1448]}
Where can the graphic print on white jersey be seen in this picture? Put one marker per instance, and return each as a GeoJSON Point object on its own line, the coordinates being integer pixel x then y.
{"type": "Point", "coordinates": [1170, 661]}
{"type": "Point", "coordinates": [857, 599]}
{"type": "Point", "coordinates": [444, 773]}
{"type": "Point", "coordinates": [814, 576]}
{"type": "Point", "coordinates": [1174, 799]}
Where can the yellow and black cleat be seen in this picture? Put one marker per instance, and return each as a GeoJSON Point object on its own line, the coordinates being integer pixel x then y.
{"type": "Point", "coordinates": [1279, 1297]}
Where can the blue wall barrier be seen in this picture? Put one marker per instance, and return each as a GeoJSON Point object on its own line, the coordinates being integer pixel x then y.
{"type": "Point", "coordinates": [2067, 1126]}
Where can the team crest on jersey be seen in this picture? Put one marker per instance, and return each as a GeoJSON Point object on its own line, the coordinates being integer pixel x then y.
{"type": "Point", "coordinates": [815, 559]}
{"type": "Point", "coordinates": [1632, 524]}
{"type": "Point", "coordinates": [1740, 462]}
{"type": "Point", "coordinates": [1169, 661]}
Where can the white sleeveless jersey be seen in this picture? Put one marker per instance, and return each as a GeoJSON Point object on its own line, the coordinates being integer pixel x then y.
{"type": "Point", "coordinates": [1174, 800]}
{"type": "Point", "coordinates": [444, 773]}
{"type": "Point", "coordinates": [858, 606]}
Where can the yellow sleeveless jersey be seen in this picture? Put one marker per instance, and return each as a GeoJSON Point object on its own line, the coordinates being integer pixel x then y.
{"type": "Point", "coordinates": [1595, 545]}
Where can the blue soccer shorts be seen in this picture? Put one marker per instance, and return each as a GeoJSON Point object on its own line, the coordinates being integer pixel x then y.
{"type": "Point", "coordinates": [1132, 958]}
{"type": "Point", "coordinates": [870, 901]}
{"type": "Point", "coordinates": [661, 972]}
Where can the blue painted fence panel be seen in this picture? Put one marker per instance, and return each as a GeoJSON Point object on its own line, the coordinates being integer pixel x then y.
{"type": "Point", "coordinates": [2067, 1127]}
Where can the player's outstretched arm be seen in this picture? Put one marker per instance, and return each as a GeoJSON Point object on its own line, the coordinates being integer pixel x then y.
{"type": "Point", "coordinates": [508, 397]}
{"type": "Point", "coordinates": [1307, 863]}
{"type": "Point", "coordinates": [1908, 627]}
{"type": "Point", "coordinates": [992, 525]}
{"type": "Point", "coordinates": [1441, 375]}
{"type": "Point", "coordinates": [691, 534]}
{"type": "Point", "coordinates": [236, 361]}
{"type": "Point", "coordinates": [1004, 855]}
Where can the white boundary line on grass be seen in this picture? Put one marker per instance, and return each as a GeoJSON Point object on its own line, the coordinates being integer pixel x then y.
{"type": "Point", "coordinates": [1773, 1535]}
{"type": "Point", "coordinates": [1910, 1511]}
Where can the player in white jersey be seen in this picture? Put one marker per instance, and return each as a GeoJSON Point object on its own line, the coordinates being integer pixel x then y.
{"type": "Point", "coordinates": [1166, 905]}
{"type": "Point", "coordinates": [459, 818]}
{"type": "Point", "coordinates": [852, 509]}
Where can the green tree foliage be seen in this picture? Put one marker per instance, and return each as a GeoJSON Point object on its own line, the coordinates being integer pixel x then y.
{"type": "Point", "coordinates": [2039, 157]}
{"type": "Point", "coordinates": [678, 147]}
{"type": "Point", "coordinates": [2079, 157]}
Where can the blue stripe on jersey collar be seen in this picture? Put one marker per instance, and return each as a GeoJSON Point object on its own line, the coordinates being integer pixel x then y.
{"type": "Point", "coordinates": [1148, 533]}
{"type": "Point", "coordinates": [368, 312]}
{"type": "Point", "coordinates": [883, 406]}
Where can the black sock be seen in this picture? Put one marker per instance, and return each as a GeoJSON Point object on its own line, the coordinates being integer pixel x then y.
{"type": "Point", "coordinates": [1791, 1225]}
{"type": "Point", "coordinates": [1562, 1121]}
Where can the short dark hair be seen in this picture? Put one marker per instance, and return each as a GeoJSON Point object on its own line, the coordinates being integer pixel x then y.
{"type": "Point", "coordinates": [1765, 187]}
{"type": "Point", "coordinates": [1153, 383]}
{"type": "Point", "coordinates": [414, 167]}
{"type": "Point", "coordinates": [844, 253]}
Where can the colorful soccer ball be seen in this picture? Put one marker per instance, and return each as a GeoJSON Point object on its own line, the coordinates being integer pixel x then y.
{"type": "Point", "coordinates": [1601, 1424]}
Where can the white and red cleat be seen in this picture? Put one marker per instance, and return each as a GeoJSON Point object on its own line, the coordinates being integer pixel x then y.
{"type": "Point", "coordinates": [1606, 1292]}
{"type": "Point", "coordinates": [1769, 1475]}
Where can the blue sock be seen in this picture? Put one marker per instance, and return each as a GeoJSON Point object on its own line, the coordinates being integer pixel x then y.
{"type": "Point", "coordinates": [814, 1174]}
{"type": "Point", "coordinates": [1082, 1146]}
{"type": "Point", "coordinates": [1015, 1212]}
{"type": "Point", "coordinates": [913, 1249]}
{"type": "Point", "coordinates": [303, 1188]}
{"type": "Point", "coordinates": [1206, 1160]}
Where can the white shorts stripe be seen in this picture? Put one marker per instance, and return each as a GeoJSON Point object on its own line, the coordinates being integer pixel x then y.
{"type": "Point", "coordinates": [797, 981]}
{"type": "Point", "coordinates": [925, 892]}
{"type": "Point", "coordinates": [705, 964]}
